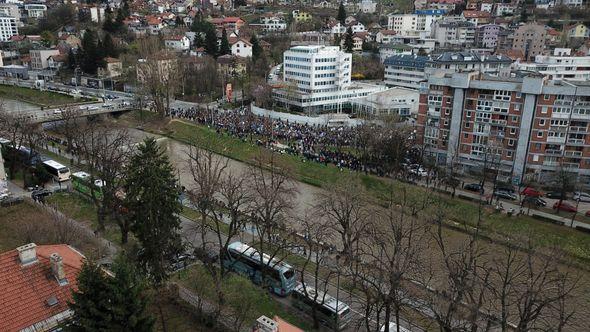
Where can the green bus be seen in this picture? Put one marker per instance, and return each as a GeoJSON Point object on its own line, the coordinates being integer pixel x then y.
{"type": "Point", "coordinates": [81, 182]}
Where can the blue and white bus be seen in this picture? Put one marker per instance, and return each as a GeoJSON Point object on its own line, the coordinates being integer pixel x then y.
{"type": "Point", "coordinates": [330, 311]}
{"type": "Point", "coordinates": [245, 260]}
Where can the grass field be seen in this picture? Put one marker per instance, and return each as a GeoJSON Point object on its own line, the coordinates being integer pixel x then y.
{"type": "Point", "coordinates": [463, 212]}
{"type": "Point", "coordinates": [198, 280]}
{"type": "Point", "coordinates": [36, 97]}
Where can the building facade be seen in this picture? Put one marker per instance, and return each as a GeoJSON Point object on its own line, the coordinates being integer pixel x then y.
{"type": "Point", "coordinates": [530, 40]}
{"type": "Point", "coordinates": [8, 27]}
{"type": "Point", "coordinates": [486, 35]}
{"type": "Point", "coordinates": [559, 67]}
{"type": "Point", "coordinates": [453, 33]}
{"type": "Point", "coordinates": [418, 23]}
{"type": "Point", "coordinates": [525, 127]}
{"type": "Point", "coordinates": [318, 78]}
{"type": "Point", "coordinates": [405, 70]}
{"type": "Point", "coordinates": [39, 58]}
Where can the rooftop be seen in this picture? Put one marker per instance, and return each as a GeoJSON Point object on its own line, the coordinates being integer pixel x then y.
{"type": "Point", "coordinates": [30, 292]}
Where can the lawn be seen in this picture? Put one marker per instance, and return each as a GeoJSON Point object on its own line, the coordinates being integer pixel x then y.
{"type": "Point", "coordinates": [36, 97]}
{"type": "Point", "coordinates": [494, 225]}
{"type": "Point", "coordinates": [197, 279]}
{"type": "Point", "coordinates": [10, 218]}
{"type": "Point", "coordinates": [78, 207]}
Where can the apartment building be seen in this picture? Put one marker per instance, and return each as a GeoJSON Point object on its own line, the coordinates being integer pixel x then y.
{"type": "Point", "coordinates": [559, 66]}
{"type": "Point", "coordinates": [405, 70]}
{"type": "Point", "coordinates": [273, 23]}
{"type": "Point", "coordinates": [8, 27]}
{"type": "Point", "coordinates": [35, 10]}
{"type": "Point", "coordinates": [318, 78]}
{"type": "Point", "coordinates": [530, 39]}
{"type": "Point", "coordinates": [416, 24]}
{"type": "Point", "coordinates": [486, 35]}
{"type": "Point", "coordinates": [450, 33]}
{"type": "Point", "coordinates": [521, 125]}
{"type": "Point", "coordinates": [412, 71]}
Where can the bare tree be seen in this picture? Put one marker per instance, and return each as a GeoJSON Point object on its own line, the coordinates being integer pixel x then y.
{"type": "Point", "coordinates": [318, 254]}
{"type": "Point", "coordinates": [272, 193]}
{"type": "Point", "coordinates": [69, 126]}
{"type": "Point", "coordinates": [105, 151]}
{"type": "Point", "coordinates": [393, 257]}
{"type": "Point", "coordinates": [345, 209]}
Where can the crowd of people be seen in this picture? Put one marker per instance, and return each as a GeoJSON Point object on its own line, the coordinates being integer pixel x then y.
{"type": "Point", "coordinates": [319, 143]}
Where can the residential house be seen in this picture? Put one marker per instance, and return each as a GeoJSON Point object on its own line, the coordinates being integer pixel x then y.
{"type": "Point", "coordinates": [241, 47]}
{"type": "Point", "coordinates": [476, 17]}
{"type": "Point", "coordinates": [300, 16]}
{"type": "Point", "coordinates": [179, 43]}
{"type": "Point", "coordinates": [505, 9]}
{"type": "Point", "coordinates": [273, 24]}
{"type": "Point", "coordinates": [578, 30]}
{"type": "Point", "coordinates": [357, 41]}
{"type": "Point", "coordinates": [69, 41]}
{"type": "Point", "coordinates": [368, 6]}
{"type": "Point", "coordinates": [55, 62]}
{"type": "Point", "coordinates": [231, 23]}
{"type": "Point", "coordinates": [97, 14]}
{"type": "Point", "coordinates": [37, 286]}
{"type": "Point", "coordinates": [35, 10]}
{"type": "Point", "coordinates": [154, 24]}
{"type": "Point", "coordinates": [39, 58]}
{"type": "Point", "coordinates": [384, 36]}
{"type": "Point", "coordinates": [113, 67]}
{"type": "Point", "coordinates": [446, 5]}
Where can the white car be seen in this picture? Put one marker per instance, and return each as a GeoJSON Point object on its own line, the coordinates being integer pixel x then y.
{"type": "Point", "coordinates": [393, 328]}
{"type": "Point", "coordinates": [582, 197]}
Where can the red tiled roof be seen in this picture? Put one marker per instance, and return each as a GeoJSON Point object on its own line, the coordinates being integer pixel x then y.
{"type": "Point", "coordinates": [387, 32]}
{"type": "Point", "coordinates": [26, 289]}
{"type": "Point", "coordinates": [475, 13]}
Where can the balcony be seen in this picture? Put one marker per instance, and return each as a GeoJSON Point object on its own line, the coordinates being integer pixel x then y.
{"type": "Point", "coordinates": [573, 153]}
{"type": "Point", "coordinates": [574, 141]}
{"type": "Point", "coordinates": [550, 163]}
{"type": "Point", "coordinates": [578, 129]}
{"type": "Point", "coordinates": [552, 152]}
{"type": "Point", "coordinates": [433, 112]}
{"type": "Point", "coordinates": [498, 122]}
{"type": "Point", "coordinates": [555, 139]}
{"type": "Point", "coordinates": [433, 103]}
{"type": "Point", "coordinates": [560, 115]}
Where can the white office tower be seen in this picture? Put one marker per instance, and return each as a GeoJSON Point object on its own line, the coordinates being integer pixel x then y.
{"type": "Point", "coordinates": [8, 27]}
{"type": "Point", "coordinates": [316, 78]}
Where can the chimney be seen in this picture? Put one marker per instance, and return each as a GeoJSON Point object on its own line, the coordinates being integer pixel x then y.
{"type": "Point", "coordinates": [57, 268]}
{"type": "Point", "coordinates": [27, 254]}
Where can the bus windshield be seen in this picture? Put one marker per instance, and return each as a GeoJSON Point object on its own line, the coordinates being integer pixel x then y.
{"type": "Point", "coordinates": [63, 170]}
{"type": "Point", "coordinates": [289, 274]}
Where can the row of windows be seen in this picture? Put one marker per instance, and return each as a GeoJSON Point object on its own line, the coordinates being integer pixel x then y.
{"type": "Point", "coordinates": [292, 65]}
{"type": "Point", "coordinates": [324, 67]}
{"type": "Point", "coordinates": [297, 73]}
{"type": "Point", "coordinates": [324, 83]}
{"type": "Point", "coordinates": [325, 75]}
{"type": "Point", "coordinates": [295, 58]}
{"type": "Point", "coordinates": [325, 60]}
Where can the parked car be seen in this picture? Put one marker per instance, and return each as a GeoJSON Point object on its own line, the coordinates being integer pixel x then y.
{"type": "Point", "coordinates": [505, 189]}
{"type": "Point", "coordinates": [474, 187]}
{"type": "Point", "coordinates": [504, 194]}
{"type": "Point", "coordinates": [564, 206]}
{"type": "Point", "coordinates": [582, 197]}
{"type": "Point", "coordinates": [556, 195]}
{"type": "Point", "coordinates": [531, 200]}
{"type": "Point", "coordinates": [528, 191]}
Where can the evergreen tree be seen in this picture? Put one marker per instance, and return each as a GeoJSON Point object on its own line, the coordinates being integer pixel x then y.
{"type": "Point", "coordinates": [128, 300]}
{"type": "Point", "coordinates": [91, 302]}
{"type": "Point", "coordinates": [108, 46]}
{"type": "Point", "coordinates": [257, 50]}
{"type": "Point", "coordinates": [210, 41]}
{"type": "Point", "coordinates": [341, 14]}
{"type": "Point", "coordinates": [179, 22]}
{"type": "Point", "coordinates": [108, 24]}
{"type": "Point", "coordinates": [72, 63]}
{"type": "Point", "coordinates": [90, 57]}
{"type": "Point", "coordinates": [348, 41]}
{"type": "Point", "coordinates": [152, 201]}
{"type": "Point", "coordinates": [224, 47]}
{"type": "Point", "coordinates": [125, 12]}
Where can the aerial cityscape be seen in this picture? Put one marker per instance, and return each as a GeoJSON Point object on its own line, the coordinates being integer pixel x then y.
{"type": "Point", "coordinates": [283, 166]}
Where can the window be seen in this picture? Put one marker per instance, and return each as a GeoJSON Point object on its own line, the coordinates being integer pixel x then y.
{"type": "Point", "coordinates": [546, 97]}
{"type": "Point", "coordinates": [544, 110]}
{"type": "Point", "coordinates": [468, 114]}
{"type": "Point", "coordinates": [539, 134]}
{"type": "Point", "coordinates": [542, 122]}
{"type": "Point", "coordinates": [509, 154]}
{"type": "Point", "coordinates": [467, 125]}
{"type": "Point", "coordinates": [510, 142]}
{"type": "Point", "coordinates": [466, 135]}
{"type": "Point", "coordinates": [518, 95]}
{"type": "Point", "coordinates": [535, 157]}
{"type": "Point", "coordinates": [512, 131]}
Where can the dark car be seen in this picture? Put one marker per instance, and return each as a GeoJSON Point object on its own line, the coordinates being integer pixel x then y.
{"type": "Point", "coordinates": [474, 187]}
{"type": "Point", "coordinates": [531, 200]}
{"type": "Point", "coordinates": [564, 206]}
{"type": "Point", "coordinates": [556, 195]}
{"type": "Point", "coordinates": [40, 194]}
{"type": "Point", "coordinates": [504, 194]}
